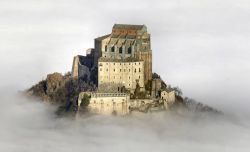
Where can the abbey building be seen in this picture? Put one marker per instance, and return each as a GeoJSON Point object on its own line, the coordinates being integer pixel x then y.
{"type": "Point", "coordinates": [120, 62]}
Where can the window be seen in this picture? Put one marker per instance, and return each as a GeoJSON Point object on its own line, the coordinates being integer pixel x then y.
{"type": "Point", "coordinates": [113, 49]}
{"type": "Point", "coordinates": [100, 69]}
{"type": "Point", "coordinates": [114, 70]}
{"type": "Point", "coordinates": [139, 77]}
{"type": "Point", "coordinates": [139, 69]}
{"type": "Point", "coordinates": [120, 70]}
{"type": "Point", "coordinates": [106, 48]}
{"type": "Point", "coordinates": [120, 50]}
{"type": "Point", "coordinates": [135, 70]}
{"type": "Point", "coordinates": [129, 50]}
{"type": "Point", "coordinates": [107, 70]}
{"type": "Point", "coordinates": [128, 77]}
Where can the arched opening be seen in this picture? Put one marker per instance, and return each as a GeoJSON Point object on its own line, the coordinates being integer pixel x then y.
{"type": "Point", "coordinates": [129, 50]}
{"type": "Point", "coordinates": [120, 50]}
{"type": "Point", "coordinates": [106, 48]}
{"type": "Point", "coordinates": [113, 49]}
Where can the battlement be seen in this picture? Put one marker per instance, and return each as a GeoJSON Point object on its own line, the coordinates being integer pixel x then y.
{"type": "Point", "coordinates": [95, 95]}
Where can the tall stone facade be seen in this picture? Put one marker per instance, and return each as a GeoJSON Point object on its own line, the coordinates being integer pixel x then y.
{"type": "Point", "coordinates": [82, 65]}
{"type": "Point", "coordinates": [127, 41]}
{"type": "Point", "coordinates": [126, 45]}
{"type": "Point", "coordinates": [156, 87]}
{"type": "Point", "coordinates": [126, 72]}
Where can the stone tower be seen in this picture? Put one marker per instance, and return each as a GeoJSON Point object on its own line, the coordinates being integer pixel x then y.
{"type": "Point", "coordinates": [126, 41]}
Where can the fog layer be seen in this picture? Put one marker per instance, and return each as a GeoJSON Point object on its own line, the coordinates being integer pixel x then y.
{"type": "Point", "coordinates": [28, 126]}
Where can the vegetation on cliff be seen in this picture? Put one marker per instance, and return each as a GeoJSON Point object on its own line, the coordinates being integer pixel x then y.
{"type": "Point", "coordinates": [64, 90]}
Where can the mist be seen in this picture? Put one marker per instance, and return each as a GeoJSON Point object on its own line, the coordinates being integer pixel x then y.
{"type": "Point", "coordinates": [200, 46]}
{"type": "Point", "coordinates": [29, 125]}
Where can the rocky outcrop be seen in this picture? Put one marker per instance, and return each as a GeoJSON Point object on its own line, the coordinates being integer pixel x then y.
{"type": "Point", "coordinates": [58, 88]}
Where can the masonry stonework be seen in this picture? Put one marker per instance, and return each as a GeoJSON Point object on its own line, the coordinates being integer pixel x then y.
{"type": "Point", "coordinates": [126, 73]}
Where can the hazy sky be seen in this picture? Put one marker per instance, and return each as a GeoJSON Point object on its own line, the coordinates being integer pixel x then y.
{"type": "Point", "coordinates": [202, 46]}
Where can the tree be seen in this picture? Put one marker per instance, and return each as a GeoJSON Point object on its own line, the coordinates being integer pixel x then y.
{"type": "Point", "coordinates": [177, 91]}
{"type": "Point", "coordinates": [85, 100]}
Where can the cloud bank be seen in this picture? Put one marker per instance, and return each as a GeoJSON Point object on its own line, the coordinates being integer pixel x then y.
{"type": "Point", "coordinates": [28, 126]}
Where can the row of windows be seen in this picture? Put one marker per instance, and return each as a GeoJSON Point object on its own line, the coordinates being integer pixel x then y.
{"type": "Point", "coordinates": [114, 103]}
{"type": "Point", "coordinates": [139, 70]}
{"type": "Point", "coordinates": [114, 82]}
{"type": "Point", "coordinates": [136, 63]}
{"type": "Point", "coordinates": [129, 50]}
{"type": "Point", "coordinates": [116, 77]}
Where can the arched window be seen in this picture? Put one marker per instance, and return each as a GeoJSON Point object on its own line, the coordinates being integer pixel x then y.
{"type": "Point", "coordinates": [113, 49]}
{"type": "Point", "coordinates": [129, 50]}
{"type": "Point", "coordinates": [120, 50]}
{"type": "Point", "coordinates": [106, 48]}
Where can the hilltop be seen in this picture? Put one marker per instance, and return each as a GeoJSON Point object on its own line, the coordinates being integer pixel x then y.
{"type": "Point", "coordinates": [63, 91]}
{"type": "Point", "coordinates": [115, 77]}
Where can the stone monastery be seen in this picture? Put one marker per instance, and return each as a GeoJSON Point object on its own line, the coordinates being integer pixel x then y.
{"type": "Point", "coordinates": [121, 66]}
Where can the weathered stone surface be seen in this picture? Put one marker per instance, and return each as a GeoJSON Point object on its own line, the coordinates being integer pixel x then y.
{"type": "Point", "coordinates": [58, 88]}
{"type": "Point", "coordinates": [54, 82]}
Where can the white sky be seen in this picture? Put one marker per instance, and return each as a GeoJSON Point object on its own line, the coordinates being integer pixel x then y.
{"type": "Point", "coordinates": [202, 46]}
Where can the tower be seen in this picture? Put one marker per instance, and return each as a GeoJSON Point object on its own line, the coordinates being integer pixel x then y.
{"type": "Point", "coordinates": [127, 41]}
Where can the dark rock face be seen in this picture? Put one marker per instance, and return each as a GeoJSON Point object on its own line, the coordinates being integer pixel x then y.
{"type": "Point", "coordinates": [58, 88]}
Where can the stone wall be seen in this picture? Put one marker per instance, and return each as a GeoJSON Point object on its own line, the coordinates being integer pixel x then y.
{"type": "Point", "coordinates": [147, 58]}
{"type": "Point", "coordinates": [108, 103]}
{"type": "Point", "coordinates": [119, 72]}
{"type": "Point", "coordinates": [82, 65]}
{"type": "Point", "coordinates": [168, 97]}
{"type": "Point", "coordinates": [156, 87]}
{"type": "Point", "coordinates": [75, 67]}
{"type": "Point", "coordinates": [137, 103]}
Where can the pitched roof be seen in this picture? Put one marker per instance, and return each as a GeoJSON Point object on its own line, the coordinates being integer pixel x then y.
{"type": "Point", "coordinates": [128, 26]}
{"type": "Point", "coordinates": [102, 37]}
